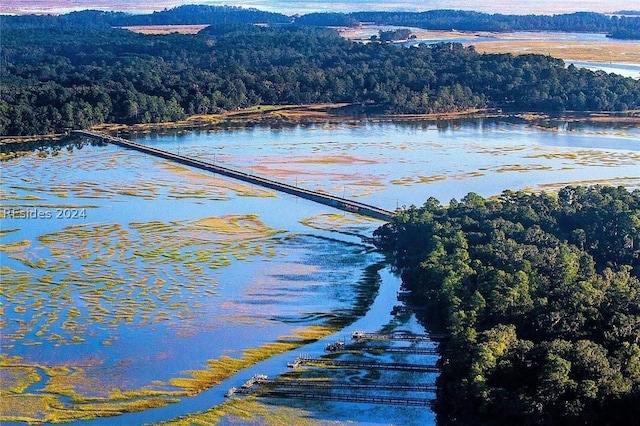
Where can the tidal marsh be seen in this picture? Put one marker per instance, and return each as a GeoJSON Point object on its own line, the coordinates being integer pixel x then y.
{"type": "Point", "coordinates": [177, 280]}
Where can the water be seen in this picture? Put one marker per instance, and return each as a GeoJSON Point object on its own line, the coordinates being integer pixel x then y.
{"type": "Point", "coordinates": [169, 267]}
{"type": "Point", "coordinates": [477, 38]}
{"type": "Point", "coordinates": [625, 70]}
{"type": "Point", "coordinates": [395, 164]}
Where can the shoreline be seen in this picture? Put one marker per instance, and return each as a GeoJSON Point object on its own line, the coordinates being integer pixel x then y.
{"type": "Point", "coordinates": [318, 113]}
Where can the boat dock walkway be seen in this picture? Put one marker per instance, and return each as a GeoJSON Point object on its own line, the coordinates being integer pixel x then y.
{"type": "Point", "coordinates": [343, 397]}
{"type": "Point", "coordinates": [319, 197]}
{"type": "Point", "coordinates": [431, 337]}
{"type": "Point", "coordinates": [305, 360]}
{"type": "Point", "coordinates": [315, 384]}
{"type": "Point", "coordinates": [407, 351]}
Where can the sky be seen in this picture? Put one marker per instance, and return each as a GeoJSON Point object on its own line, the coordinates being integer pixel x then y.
{"type": "Point", "coordinates": [291, 7]}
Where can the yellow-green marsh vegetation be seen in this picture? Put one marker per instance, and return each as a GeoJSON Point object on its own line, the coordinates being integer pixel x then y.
{"type": "Point", "coordinates": [335, 221]}
{"type": "Point", "coordinates": [225, 367]}
{"type": "Point", "coordinates": [247, 410]}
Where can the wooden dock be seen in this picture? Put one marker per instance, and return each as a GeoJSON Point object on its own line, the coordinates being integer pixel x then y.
{"type": "Point", "coordinates": [431, 337]}
{"type": "Point", "coordinates": [315, 384]}
{"type": "Point", "coordinates": [372, 365]}
{"type": "Point", "coordinates": [341, 347]}
{"type": "Point", "coordinates": [408, 351]}
{"type": "Point", "coordinates": [343, 397]}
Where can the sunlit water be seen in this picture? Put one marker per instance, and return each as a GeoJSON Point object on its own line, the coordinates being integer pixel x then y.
{"type": "Point", "coordinates": [166, 267]}
{"type": "Point", "coordinates": [625, 70]}
{"type": "Point", "coordinates": [396, 164]}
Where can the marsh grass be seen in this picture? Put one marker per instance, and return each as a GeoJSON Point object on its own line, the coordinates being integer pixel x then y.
{"type": "Point", "coordinates": [71, 382]}
{"type": "Point", "coordinates": [15, 247]}
{"type": "Point", "coordinates": [629, 181]}
{"type": "Point", "coordinates": [151, 285]}
{"type": "Point", "coordinates": [181, 183]}
{"type": "Point", "coordinates": [534, 42]}
{"type": "Point", "coordinates": [196, 184]}
{"type": "Point", "coordinates": [413, 180]}
{"type": "Point", "coordinates": [47, 408]}
{"type": "Point", "coordinates": [582, 51]}
{"type": "Point", "coordinates": [246, 410]}
{"type": "Point", "coordinates": [4, 232]}
{"type": "Point", "coordinates": [522, 168]}
{"type": "Point", "coordinates": [334, 221]}
{"type": "Point", "coordinates": [588, 157]}
{"type": "Point", "coordinates": [16, 379]}
{"type": "Point", "coordinates": [93, 294]}
{"type": "Point", "coordinates": [225, 367]}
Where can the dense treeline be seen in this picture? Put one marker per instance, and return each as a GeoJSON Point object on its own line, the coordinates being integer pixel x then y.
{"type": "Point", "coordinates": [541, 296]}
{"type": "Point", "coordinates": [62, 77]}
{"type": "Point", "coordinates": [615, 26]}
{"type": "Point", "coordinates": [625, 33]}
{"type": "Point", "coordinates": [393, 35]}
{"type": "Point", "coordinates": [181, 15]}
{"type": "Point", "coordinates": [476, 21]}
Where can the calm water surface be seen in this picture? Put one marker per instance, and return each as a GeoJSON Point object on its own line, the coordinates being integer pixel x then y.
{"type": "Point", "coordinates": [166, 267]}
{"type": "Point", "coordinates": [391, 164]}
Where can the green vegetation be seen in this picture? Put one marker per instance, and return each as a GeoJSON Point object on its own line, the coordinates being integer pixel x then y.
{"type": "Point", "coordinates": [393, 35]}
{"type": "Point", "coordinates": [541, 297]}
{"type": "Point", "coordinates": [625, 33]}
{"type": "Point", "coordinates": [432, 19]}
{"type": "Point", "coordinates": [181, 15]}
{"type": "Point", "coordinates": [61, 76]}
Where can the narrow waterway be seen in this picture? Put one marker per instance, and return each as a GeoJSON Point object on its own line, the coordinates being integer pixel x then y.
{"type": "Point", "coordinates": [377, 317]}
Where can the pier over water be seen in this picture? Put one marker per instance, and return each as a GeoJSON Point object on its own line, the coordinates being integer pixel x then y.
{"type": "Point", "coordinates": [319, 197]}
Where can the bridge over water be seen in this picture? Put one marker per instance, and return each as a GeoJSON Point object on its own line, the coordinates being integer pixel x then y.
{"type": "Point", "coordinates": [319, 197]}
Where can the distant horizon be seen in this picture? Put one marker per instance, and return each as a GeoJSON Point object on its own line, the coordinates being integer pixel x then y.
{"type": "Point", "coordinates": [292, 7]}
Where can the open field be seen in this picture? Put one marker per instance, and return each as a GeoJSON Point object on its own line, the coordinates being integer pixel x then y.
{"type": "Point", "coordinates": [166, 29]}
{"type": "Point", "coordinates": [571, 50]}
{"type": "Point", "coordinates": [558, 45]}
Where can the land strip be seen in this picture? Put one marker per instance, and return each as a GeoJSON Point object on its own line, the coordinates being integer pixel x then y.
{"type": "Point", "coordinates": [279, 115]}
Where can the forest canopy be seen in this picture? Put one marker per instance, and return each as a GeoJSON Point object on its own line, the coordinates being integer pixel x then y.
{"type": "Point", "coordinates": [540, 295]}
{"type": "Point", "coordinates": [621, 23]}
{"type": "Point", "coordinates": [60, 77]}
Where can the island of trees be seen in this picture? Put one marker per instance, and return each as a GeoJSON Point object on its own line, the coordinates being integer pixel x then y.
{"type": "Point", "coordinates": [59, 74]}
{"type": "Point", "coordinates": [540, 295]}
